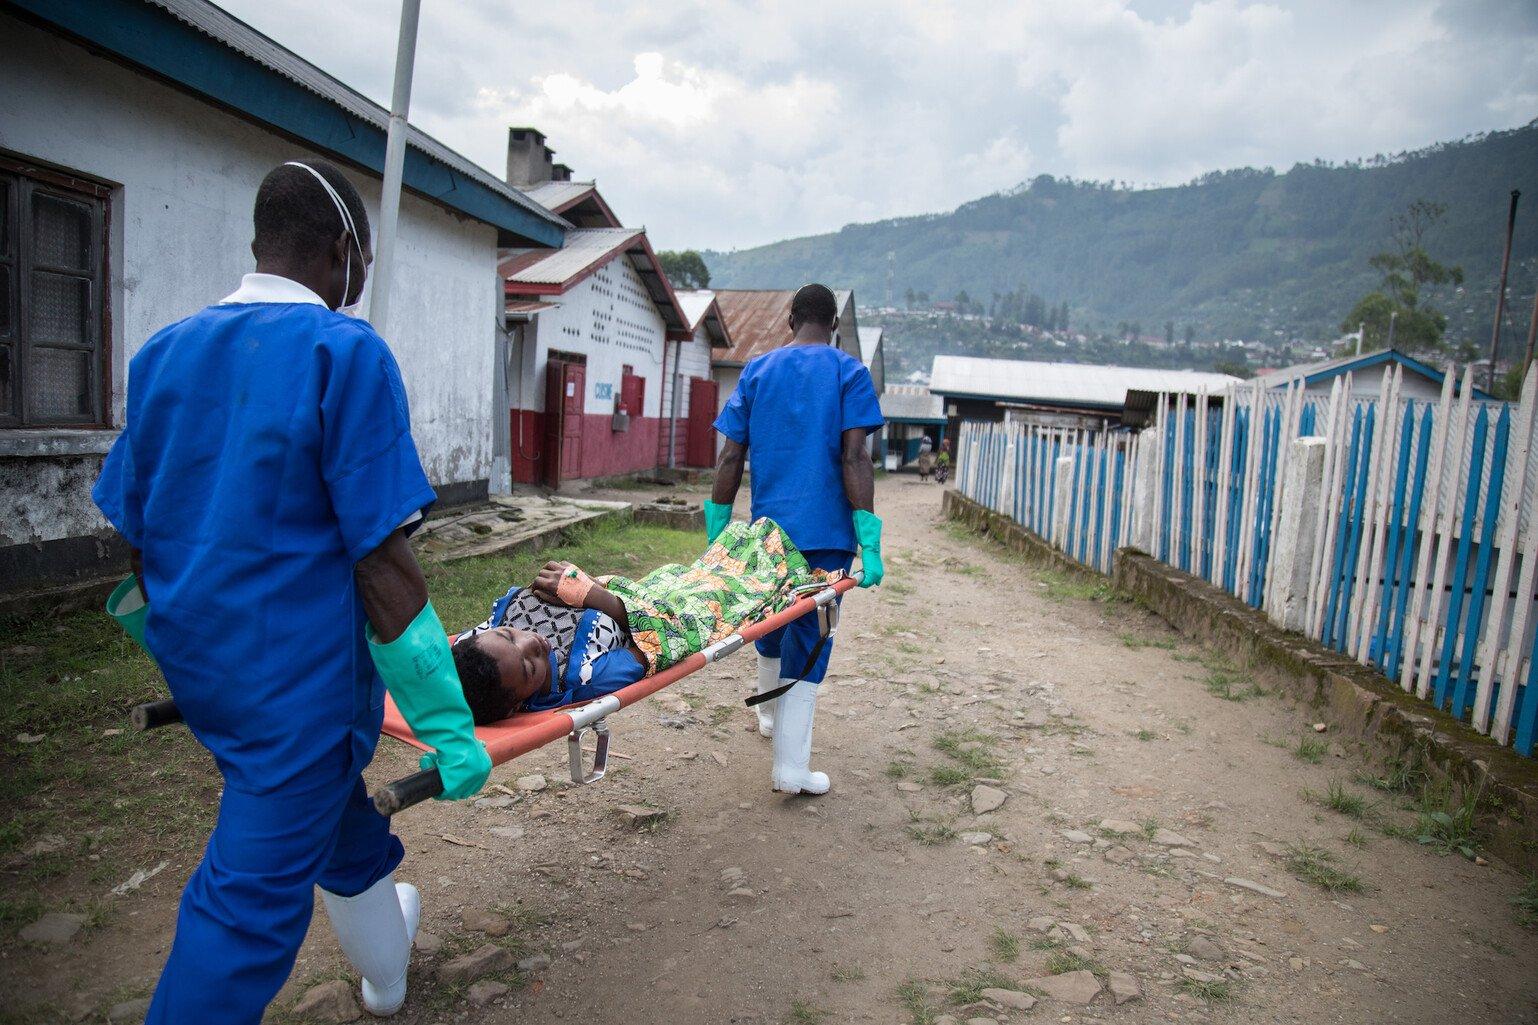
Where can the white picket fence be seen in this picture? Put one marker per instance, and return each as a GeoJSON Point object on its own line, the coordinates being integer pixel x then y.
{"type": "Point", "coordinates": [1395, 530]}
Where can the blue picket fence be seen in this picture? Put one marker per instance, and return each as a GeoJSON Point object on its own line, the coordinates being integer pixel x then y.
{"type": "Point", "coordinates": [1393, 528]}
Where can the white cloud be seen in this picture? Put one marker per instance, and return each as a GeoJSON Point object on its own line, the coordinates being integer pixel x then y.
{"type": "Point", "coordinates": [735, 123]}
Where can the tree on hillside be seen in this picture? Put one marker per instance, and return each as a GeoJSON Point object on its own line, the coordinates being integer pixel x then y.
{"type": "Point", "coordinates": [909, 298]}
{"type": "Point", "coordinates": [685, 268]}
{"type": "Point", "coordinates": [1169, 333]}
{"type": "Point", "coordinates": [1190, 335]}
{"type": "Point", "coordinates": [1234, 368]}
{"type": "Point", "coordinates": [1408, 270]}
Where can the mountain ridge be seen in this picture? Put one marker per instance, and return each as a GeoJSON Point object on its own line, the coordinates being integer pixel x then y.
{"type": "Point", "coordinates": [1238, 253]}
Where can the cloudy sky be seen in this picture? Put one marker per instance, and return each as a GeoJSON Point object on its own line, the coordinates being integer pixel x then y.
{"type": "Point", "coordinates": [727, 124]}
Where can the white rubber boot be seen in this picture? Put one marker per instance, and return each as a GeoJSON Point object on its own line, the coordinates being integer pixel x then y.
{"type": "Point", "coordinates": [375, 929]}
{"type": "Point", "coordinates": [793, 742]}
{"type": "Point", "coordinates": [768, 680]}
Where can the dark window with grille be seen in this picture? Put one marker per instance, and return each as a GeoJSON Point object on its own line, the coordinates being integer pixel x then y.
{"type": "Point", "coordinates": [52, 317]}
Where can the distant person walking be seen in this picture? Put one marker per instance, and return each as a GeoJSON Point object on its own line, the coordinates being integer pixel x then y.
{"type": "Point", "coordinates": [926, 459]}
{"type": "Point", "coordinates": [803, 412]}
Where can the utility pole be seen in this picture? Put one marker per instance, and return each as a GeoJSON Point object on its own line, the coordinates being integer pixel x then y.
{"type": "Point", "coordinates": [395, 159]}
{"type": "Point", "coordinates": [1500, 292]}
{"type": "Point", "coordinates": [1532, 336]}
{"type": "Point", "coordinates": [1393, 315]}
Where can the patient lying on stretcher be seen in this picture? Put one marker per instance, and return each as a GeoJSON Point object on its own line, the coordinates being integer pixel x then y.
{"type": "Point", "coordinates": [567, 638]}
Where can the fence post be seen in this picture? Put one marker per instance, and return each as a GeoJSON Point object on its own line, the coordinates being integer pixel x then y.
{"type": "Point", "coordinates": [1292, 558]}
{"type": "Point", "coordinates": [1142, 537]}
{"type": "Point", "coordinates": [1006, 503]}
{"type": "Point", "coordinates": [1063, 471]}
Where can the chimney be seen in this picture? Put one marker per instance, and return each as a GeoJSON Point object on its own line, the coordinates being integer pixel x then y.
{"type": "Point", "coordinates": [528, 158]}
{"type": "Point", "coordinates": [560, 173]}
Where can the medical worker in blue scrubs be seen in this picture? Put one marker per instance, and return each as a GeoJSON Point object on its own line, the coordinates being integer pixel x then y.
{"type": "Point", "coordinates": [801, 414]}
{"type": "Point", "coordinates": [266, 481]}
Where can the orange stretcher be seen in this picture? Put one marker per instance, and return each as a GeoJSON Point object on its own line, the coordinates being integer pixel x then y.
{"type": "Point", "coordinates": [527, 731]}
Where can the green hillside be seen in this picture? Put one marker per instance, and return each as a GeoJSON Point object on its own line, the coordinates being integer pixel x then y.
{"type": "Point", "coordinates": [1244, 253]}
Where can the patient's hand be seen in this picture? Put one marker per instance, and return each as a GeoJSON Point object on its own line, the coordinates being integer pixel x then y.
{"type": "Point", "coordinates": [547, 582]}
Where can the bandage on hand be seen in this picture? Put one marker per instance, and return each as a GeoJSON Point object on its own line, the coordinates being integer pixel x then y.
{"type": "Point", "coordinates": [573, 587]}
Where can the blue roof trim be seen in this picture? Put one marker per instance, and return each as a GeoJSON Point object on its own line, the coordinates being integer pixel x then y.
{"type": "Point", "coordinates": [155, 40]}
{"type": "Point", "coordinates": [1390, 356]}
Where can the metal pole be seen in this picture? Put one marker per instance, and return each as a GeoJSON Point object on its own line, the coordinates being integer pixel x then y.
{"type": "Point", "coordinates": [1500, 293]}
{"type": "Point", "coordinates": [1393, 315]}
{"type": "Point", "coordinates": [1361, 332]}
{"type": "Point", "coordinates": [395, 158]}
{"type": "Point", "coordinates": [1532, 336]}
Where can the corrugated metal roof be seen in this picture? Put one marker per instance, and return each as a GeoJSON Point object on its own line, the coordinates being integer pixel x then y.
{"type": "Point", "coordinates": [700, 305]}
{"type": "Point", "coordinates": [585, 249]}
{"type": "Point", "coordinates": [557, 196]}
{"type": "Point", "coordinates": [1062, 384]}
{"type": "Point", "coordinates": [253, 45]}
{"type": "Point", "coordinates": [758, 322]}
{"type": "Point", "coordinates": [1345, 364]}
{"type": "Point", "coordinates": [530, 272]}
{"type": "Point", "coordinates": [870, 339]}
{"type": "Point", "coordinates": [911, 402]}
{"type": "Point", "coordinates": [695, 304]}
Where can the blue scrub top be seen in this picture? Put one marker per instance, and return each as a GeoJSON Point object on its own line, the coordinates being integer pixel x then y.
{"type": "Point", "coordinates": [790, 409]}
{"type": "Point", "coordinates": [267, 449]}
{"type": "Point", "coordinates": [609, 671]}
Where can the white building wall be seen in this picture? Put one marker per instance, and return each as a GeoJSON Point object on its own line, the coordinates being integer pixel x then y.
{"type": "Point", "coordinates": [693, 361]}
{"type": "Point", "coordinates": [187, 175]}
{"type": "Point", "coordinates": [1367, 382]}
{"type": "Point", "coordinates": [610, 318]}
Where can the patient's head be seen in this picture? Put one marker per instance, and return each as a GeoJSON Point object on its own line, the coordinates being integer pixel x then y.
{"type": "Point", "coordinates": [500, 669]}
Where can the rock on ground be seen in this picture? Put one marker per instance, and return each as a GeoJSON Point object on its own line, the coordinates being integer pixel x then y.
{"type": "Point", "coordinates": [1253, 887]}
{"type": "Point", "coordinates": [1071, 987]}
{"type": "Point", "coordinates": [481, 961]}
{"type": "Point", "coordinates": [1124, 987]}
{"type": "Point", "coordinates": [1010, 998]}
{"type": "Point", "coordinates": [986, 798]}
{"type": "Point", "coordinates": [485, 991]}
{"type": "Point", "coordinates": [53, 928]}
{"type": "Point", "coordinates": [328, 1002]}
{"type": "Point", "coordinates": [488, 922]}
{"type": "Point", "coordinates": [1121, 827]}
{"type": "Point", "coordinates": [638, 815]}
{"type": "Point", "coordinates": [532, 783]}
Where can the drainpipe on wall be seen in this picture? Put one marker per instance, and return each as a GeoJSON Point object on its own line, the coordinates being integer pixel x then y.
{"type": "Point", "coordinates": [678, 355]}
{"type": "Point", "coordinates": [395, 157]}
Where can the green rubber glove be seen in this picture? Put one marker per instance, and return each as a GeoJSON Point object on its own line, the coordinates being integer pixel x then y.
{"type": "Point", "coordinates": [867, 527]}
{"type": "Point", "coordinates": [717, 516]}
{"type": "Point", "coordinates": [418, 670]}
{"type": "Point", "coordinates": [126, 604]}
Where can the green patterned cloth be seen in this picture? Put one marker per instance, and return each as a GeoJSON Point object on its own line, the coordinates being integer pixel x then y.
{"type": "Point", "coordinates": [750, 572]}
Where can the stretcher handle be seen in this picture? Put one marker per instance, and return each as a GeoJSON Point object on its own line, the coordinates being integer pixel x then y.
{"type": "Point", "coordinates": [152, 714]}
{"type": "Point", "coordinates": [407, 791]}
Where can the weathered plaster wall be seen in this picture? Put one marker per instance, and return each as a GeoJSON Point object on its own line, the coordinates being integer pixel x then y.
{"type": "Point", "coordinates": [181, 232]}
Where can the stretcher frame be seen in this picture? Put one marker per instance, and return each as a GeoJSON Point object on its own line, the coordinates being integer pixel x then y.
{"type": "Point", "coordinates": [536, 729]}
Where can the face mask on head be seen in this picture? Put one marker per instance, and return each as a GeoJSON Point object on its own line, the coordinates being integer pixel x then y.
{"type": "Point", "coordinates": [347, 309]}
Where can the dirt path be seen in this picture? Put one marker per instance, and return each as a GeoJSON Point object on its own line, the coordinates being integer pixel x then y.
{"type": "Point", "coordinates": [746, 907]}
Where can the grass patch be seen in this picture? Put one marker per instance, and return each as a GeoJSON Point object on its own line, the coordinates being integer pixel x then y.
{"type": "Point", "coordinates": [1077, 882]}
{"type": "Point", "coordinates": [1400, 776]}
{"type": "Point", "coordinates": [1062, 587]}
{"type": "Point", "coordinates": [1146, 735]}
{"type": "Point", "coordinates": [929, 832]}
{"type": "Point", "coordinates": [1357, 838]}
{"type": "Point", "coordinates": [1211, 992]}
{"type": "Point", "coordinates": [1004, 945]}
{"type": "Point", "coordinates": [914, 996]}
{"type": "Point", "coordinates": [1310, 750]}
{"type": "Point", "coordinates": [803, 1013]}
{"type": "Point", "coordinates": [898, 768]}
{"type": "Point", "coordinates": [948, 775]}
{"type": "Point", "coordinates": [1062, 962]}
{"type": "Point", "coordinates": [1316, 865]}
{"type": "Point", "coordinates": [969, 988]}
{"type": "Point", "coordinates": [971, 750]}
{"type": "Point", "coordinates": [1526, 903]}
{"type": "Point", "coordinates": [1338, 799]}
{"type": "Point", "coordinates": [1446, 825]}
{"type": "Point", "coordinates": [847, 973]}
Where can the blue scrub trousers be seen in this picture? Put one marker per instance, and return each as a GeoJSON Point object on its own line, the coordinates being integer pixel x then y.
{"type": "Point", "coordinates": [247, 906]}
{"type": "Point", "coordinates": [792, 643]}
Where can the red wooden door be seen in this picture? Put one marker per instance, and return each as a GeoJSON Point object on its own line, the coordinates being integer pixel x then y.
{"type": "Point", "coordinates": [564, 391]}
{"type": "Point", "coordinates": [701, 447]}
